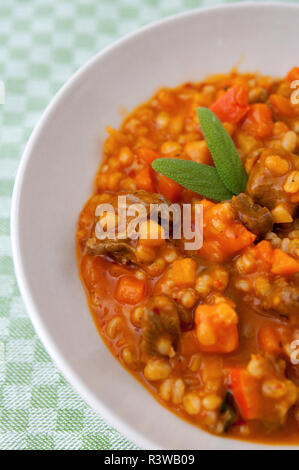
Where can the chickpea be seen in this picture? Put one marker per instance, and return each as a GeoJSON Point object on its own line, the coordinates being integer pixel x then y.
{"type": "Point", "coordinates": [204, 284]}
{"type": "Point", "coordinates": [164, 346]}
{"type": "Point", "coordinates": [277, 165]}
{"type": "Point", "coordinates": [165, 389]}
{"type": "Point", "coordinates": [157, 267]}
{"type": "Point", "coordinates": [127, 356]}
{"type": "Point", "coordinates": [258, 366]}
{"type": "Point", "coordinates": [114, 180]}
{"type": "Point", "coordinates": [273, 388]}
{"type": "Point", "coordinates": [170, 254]}
{"type": "Point", "coordinates": [125, 156]}
{"type": "Point", "coordinates": [198, 151]}
{"type": "Point", "coordinates": [128, 184]}
{"type": "Point", "coordinates": [191, 403]}
{"type": "Point", "coordinates": [176, 124]}
{"type": "Point", "coordinates": [102, 180]}
{"type": "Point", "coordinates": [280, 128]}
{"type": "Point", "coordinates": [137, 316]}
{"type": "Point", "coordinates": [113, 327]}
{"type": "Point", "coordinates": [114, 163]}
{"type": "Point", "coordinates": [245, 263]}
{"type": "Point", "coordinates": [262, 286]}
{"type": "Point", "coordinates": [169, 147]}
{"type": "Point", "coordinates": [292, 183]}
{"type": "Point", "coordinates": [188, 298]}
{"type": "Point", "coordinates": [212, 402]}
{"type": "Point", "coordinates": [151, 232]}
{"type": "Point", "coordinates": [162, 120]}
{"type": "Point", "coordinates": [157, 369]}
{"type": "Point", "coordinates": [289, 141]}
{"type": "Point", "coordinates": [281, 214]}
{"type": "Point", "coordinates": [243, 285]}
{"type": "Point", "coordinates": [178, 390]}
{"type": "Point", "coordinates": [144, 253]}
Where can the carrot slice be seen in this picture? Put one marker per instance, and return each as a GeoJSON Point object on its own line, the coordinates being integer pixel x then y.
{"type": "Point", "coordinates": [264, 252]}
{"type": "Point", "coordinates": [130, 290]}
{"type": "Point", "coordinates": [184, 272]}
{"type": "Point", "coordinates": [269, 340]}
{"type": "Point", "coordinates": [282, 106]}
{"type": "Point", "coordinates": [170, 189]}
{"type": "Point", "coordinates": [216, 327]}
{"type": "Point", "coordinates": [148, 155]}
{"type": "Point", "coordinates": [245, 389]}
{"type": "Point", "coordinates": [259, 121]}
{"type": "Point", "coordinates": [284, 264]}
{"type": "Point", "coordinates": [144, 180]}
{"type": "Point", "coordinates": [232, 106]}
{"type": "Point", "coordinates": [293, 74]}
{"type": "Point", "coordinates": [223, 235]}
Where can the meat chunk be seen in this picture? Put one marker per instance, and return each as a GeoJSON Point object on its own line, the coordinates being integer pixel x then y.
{"type": "Point", "coordinates": [121, 247]}
{"type": "Point", "coordinates": [160, 327]}
{"type": "Point", "coordinates": [268, 177]}
{"type": "Point", "coordinates": [256, 218]}
{"type": "Point", "coordinates": [285, 298]}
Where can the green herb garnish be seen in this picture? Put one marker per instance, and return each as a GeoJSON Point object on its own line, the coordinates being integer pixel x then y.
{"type": "Point", "coordinates": [202, 179]}
{"type": "Point", "coordinates": [228, 412]}
{"type": "Point", "coordinates": [225, 156]}
{"type": "Point", "coordinates": [228, 178]}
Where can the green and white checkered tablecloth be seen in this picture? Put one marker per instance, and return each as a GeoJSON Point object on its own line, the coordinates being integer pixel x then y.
{"type": "Point", "coordinates": [42, 42]}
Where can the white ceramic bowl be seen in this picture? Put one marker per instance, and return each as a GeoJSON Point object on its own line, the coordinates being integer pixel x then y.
{"type": "Point", "coordinates": [55, 179]}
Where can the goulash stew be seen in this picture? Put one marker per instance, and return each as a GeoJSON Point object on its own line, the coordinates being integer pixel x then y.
{"type": "Point", "coordinates": [211, 333]}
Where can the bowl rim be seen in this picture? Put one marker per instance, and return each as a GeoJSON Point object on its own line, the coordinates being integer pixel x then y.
{"type": "Point", "coordinates": [48, 341]}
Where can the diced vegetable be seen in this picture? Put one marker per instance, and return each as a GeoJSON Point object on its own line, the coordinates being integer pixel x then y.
{"type": "Point", "coordinates": [184, 272]}
{"type": "Point", "coordinates": [232, 106]}
{"type": "Point", "coordinates": [293, 74]}
{"type": "Point", "coordinates": [189, 343]}
{"type": "Point", "coordinates": [259, 121]}
{"type": "Point", "coordinates": [151, 234]}
{"type": "Point", "coordinates": [130, 290]}
{"type": "Point", "coordinates": [169, 188]}
{"type": "Point", "coordinates": [223, 235]}
{"type": "Point", "coordinates": [245, 389]}
{"type": "Point", "coordinates": [148, 155]}
{"type": "Point", "coordinates": [264, 252]}
{"type": "Point", "coordinates": [92, 272]}
{"type": "Point", "coordinates": [216, 327]}
{"type": "Point", "coordinates": [144, 180]}
{"type": "Point", "coordinates": [282, 106]}
{"type": "Point", "coordinates": [269, 340]}
{"type": "Point", "coordinates": [284, 264]}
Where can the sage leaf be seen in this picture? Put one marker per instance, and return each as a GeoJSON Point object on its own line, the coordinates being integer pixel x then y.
{"type": "Point", "coordinates": [225, 156]}
{"type": "Point", "coordinates": [201, 179]}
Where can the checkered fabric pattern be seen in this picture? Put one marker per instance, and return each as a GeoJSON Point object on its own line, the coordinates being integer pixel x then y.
{"type": "Point", "coordinates": [42, 42]}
